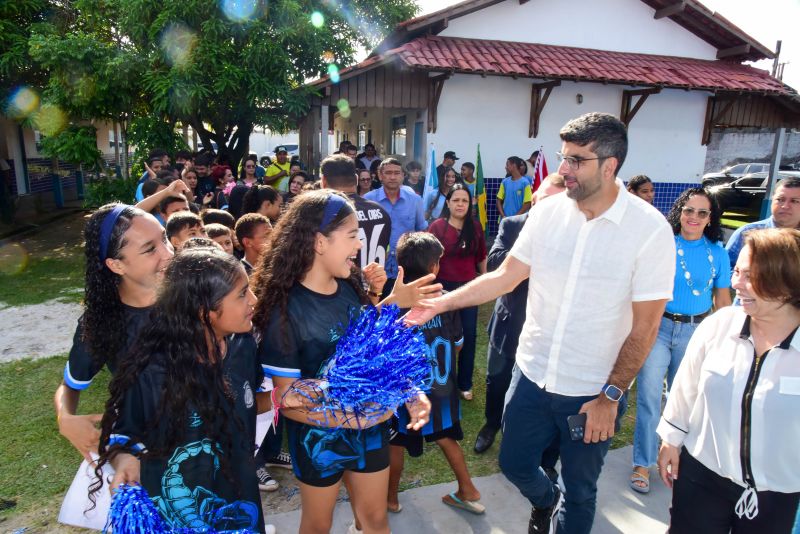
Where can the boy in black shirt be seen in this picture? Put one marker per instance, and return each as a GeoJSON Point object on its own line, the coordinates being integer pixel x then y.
{"type": "Point", "coordinates": [418, 254]}
{"type": "Point", "coordinates": [374, 224]}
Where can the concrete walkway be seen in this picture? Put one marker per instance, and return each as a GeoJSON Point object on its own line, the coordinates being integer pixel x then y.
{"type": "Point", "coordinates": [619, 509]}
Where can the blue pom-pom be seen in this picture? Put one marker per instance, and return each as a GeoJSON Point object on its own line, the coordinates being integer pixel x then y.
{"type": "Point", "coordinates": [379, 364]}
{"type": "Point", "coordinates": [132, 512]}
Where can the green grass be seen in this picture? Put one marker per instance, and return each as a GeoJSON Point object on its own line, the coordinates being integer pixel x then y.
{"type": "Point", "coordinates": [33, 278]}
{"type": "Point", "coordinates": [37, 463]}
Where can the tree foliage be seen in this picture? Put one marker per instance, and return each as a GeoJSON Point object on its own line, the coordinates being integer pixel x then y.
{"type": "Point", "coordinates": [219, 66]}
{"type": "Point", "coordinates": [75, 144]}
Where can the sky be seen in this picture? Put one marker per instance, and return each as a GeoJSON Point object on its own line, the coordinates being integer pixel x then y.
{"type": "Point", "coordinates": [769, 21]}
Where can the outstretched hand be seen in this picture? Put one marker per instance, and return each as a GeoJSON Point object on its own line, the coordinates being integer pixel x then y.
{"type": "Point", "coordinates": [419, 410]}
{"type": "Point", "coordinates": [409, 295]}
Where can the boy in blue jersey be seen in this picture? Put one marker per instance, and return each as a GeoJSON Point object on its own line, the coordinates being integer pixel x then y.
{"type": "Point", "coordinates": [515, 194]}
{"type": "Point", "coordinates": [418, 254]}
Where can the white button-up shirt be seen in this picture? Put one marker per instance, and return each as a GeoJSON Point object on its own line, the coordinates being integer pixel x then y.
{"type": "Point", "coordinates": [704, 411]}
{"type": "Point", "coordinates": [585, 275]}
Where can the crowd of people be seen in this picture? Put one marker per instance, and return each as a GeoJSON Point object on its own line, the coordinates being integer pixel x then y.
{"type": "Point", "coordinates": [219, 292]}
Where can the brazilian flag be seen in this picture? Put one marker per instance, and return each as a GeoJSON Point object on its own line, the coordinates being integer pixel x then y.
{"type": "Point", "coordinates": [480, 193]}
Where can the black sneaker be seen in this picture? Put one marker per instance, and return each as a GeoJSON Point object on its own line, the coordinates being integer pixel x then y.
{"type": "Point", "coordinates": [543, 520]}
{"type": "Point", "coordinates": [282, 460]}
{"type": "Point", "coordinates": [265, 480]}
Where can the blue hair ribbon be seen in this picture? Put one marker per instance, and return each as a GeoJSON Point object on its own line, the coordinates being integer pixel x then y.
{"type": "Point", "coordinates": [332, 207]}
{"type": "Point", "coordinates": [107, 228]}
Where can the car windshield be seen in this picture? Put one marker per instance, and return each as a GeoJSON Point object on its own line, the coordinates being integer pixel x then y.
{"type": "Point", "coordinates": [736, 169]}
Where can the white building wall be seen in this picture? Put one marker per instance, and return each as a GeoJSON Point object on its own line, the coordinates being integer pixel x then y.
{"type": "Point", "coordinates": [664, 136]}
{"type": "Point", "coordinates": [621, 25]}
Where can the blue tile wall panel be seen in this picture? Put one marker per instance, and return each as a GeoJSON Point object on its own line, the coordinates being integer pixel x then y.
{"type": "Point", "coordinates": [666, 193]}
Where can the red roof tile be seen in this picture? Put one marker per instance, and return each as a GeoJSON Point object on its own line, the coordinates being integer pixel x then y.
{"type": "Point", "coordinates": [456, 54]}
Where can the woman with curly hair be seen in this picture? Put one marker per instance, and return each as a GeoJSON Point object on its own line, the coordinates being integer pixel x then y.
{"type": "Point", "coordinates": [126, 255]}
{"type": "Point", "coordinates": [702, 284]}
{"type": "Point", "coordinates": [309, 265]}
{"type": "Point", "coordinates": [181, 415]}
{"type": "Point", "coordinates": [263, 199]}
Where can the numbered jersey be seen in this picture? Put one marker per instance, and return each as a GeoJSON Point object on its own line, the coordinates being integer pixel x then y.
{"type": "Point", "coordinates": [443, 339]}
{"type": "Point", "coordinates": [374, 231]}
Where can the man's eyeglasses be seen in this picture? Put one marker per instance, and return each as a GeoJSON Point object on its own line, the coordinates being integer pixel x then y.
{"type": "Point", "coordinates": [575, 163]}
{"type": "Point", "coordinates": [701, 214]}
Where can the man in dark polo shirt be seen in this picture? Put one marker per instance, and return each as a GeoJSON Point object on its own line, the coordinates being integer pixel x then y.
{"type": "Point", "coordinates": [374, 224]}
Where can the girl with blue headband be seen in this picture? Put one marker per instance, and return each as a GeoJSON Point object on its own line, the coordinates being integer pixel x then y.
{"type": "Point", "coordinates": [308, 290]}
{"type": "Point", "coordinates": [126, 255]}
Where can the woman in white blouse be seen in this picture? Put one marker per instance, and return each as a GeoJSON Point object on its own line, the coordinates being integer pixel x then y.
{"type": "Point", "coordinates": [731, 427]}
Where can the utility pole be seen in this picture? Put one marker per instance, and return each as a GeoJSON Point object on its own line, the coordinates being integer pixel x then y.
{"type": "Point", "coordinates": [776, 61]}
{"type": "Point", "coordinates": [774, 166]}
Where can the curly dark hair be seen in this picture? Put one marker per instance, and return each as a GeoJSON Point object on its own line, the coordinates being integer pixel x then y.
{"type": "Point", "coordinates": [713, 231]}
{"type": "Point", "coordinates": [466, 243]}
{"type": "Point", "coordinates": [289, 255]}
{"type": "Point", "coordinates": [103, 319]}
{"type": "Point", "coordinates": [180, 336]}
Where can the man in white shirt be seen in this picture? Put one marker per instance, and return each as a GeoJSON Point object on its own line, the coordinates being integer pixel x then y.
{"type": "Point", "coordinates": [601, 264]}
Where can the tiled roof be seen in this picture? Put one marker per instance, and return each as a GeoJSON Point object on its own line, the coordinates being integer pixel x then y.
{"type": "Point", "coordinates": [692, 15]}
{"type": "Point", "coordinates": [528, 60]}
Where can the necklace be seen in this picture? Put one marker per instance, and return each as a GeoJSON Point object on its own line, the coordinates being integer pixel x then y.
{"type": "Point", "coordinates": [687, 275]}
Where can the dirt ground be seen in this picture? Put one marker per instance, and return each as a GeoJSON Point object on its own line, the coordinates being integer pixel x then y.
{"type": "Point", "coordinates": [52, 321]}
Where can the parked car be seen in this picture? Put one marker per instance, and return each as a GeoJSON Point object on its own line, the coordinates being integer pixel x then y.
{"type": "Point", "coordinates": [733, 172]}
{"type": "Point", "coordinates": [730, 174]}
{"type": "Point", "coordinates": [746, 193]}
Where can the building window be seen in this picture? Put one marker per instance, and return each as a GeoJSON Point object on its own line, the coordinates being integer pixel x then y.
{"type": "Point", "coordinates": [112, 138]}
{"type": "Point", "coordinates": [399, 135]}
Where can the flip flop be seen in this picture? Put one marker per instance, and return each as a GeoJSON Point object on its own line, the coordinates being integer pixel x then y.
{"type": "Point", "coordinates": [395, 510]}
{"type": "Point", "coordinates": [474, 507]}
{"type": "Point", "coordinates": [638, 477]}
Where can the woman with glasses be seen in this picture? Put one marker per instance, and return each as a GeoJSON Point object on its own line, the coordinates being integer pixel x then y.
{"type": "Point", "coordinates": [364, 182]}
{"type": "Point", "coordinates": [248, 176]}
{"type": "Point", "coordinates": [702, 280]}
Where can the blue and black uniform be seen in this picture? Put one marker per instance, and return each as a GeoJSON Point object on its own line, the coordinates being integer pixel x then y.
{"type": "Point", "coordinates": [443, 338]}
{"type": "Point", "coordinates": [188, 485]}
{"type": "Point", "coordinates": [82, 366]}
{"type": "Point", "coordinates": [299, 349]}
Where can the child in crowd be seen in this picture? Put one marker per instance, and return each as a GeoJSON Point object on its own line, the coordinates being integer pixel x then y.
{"type": "Point", "coordinates": [252, 231]}
{"type": "Point", "coordinates": [126, 254]}
{"type": "Point", "coordinates": [172, 204]}
{"type": "Point", "coordinates": [308, 265]}
{"type": "Point", "coordinates": [182, 414]}
{"type": "Point", "coordinates": [515, 194]}
{"type": "Point", "coordinates": [414, 177]}
{"type": "Point", "coordinates": [470, 182]}
{"type": "Point", "coordinates": [215, 216]}
{"type": "Point", "coordinates": [182, 226]}
{"type": "Point", "coordinates": [222, 235]}
{"type": "Point", "coordinates": [418, 254]}
{"type": "Point", "coordinates": [263, 199]}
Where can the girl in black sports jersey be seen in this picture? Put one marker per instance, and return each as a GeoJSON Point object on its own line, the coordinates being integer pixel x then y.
{"type": "Point", "coordinates": [126, 254]}
{"type": "Point", "coordinates": [308, 289]}
{"type": "Point", "coordinates": [181, 416]}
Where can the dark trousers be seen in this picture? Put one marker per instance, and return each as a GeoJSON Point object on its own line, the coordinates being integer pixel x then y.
{"type": "Point", "coordinates": [469, 323]}
{"type": "Point", "coordinates": [533, 419]}
{"type": "Point", "coordinates": [498, 376]}
{"type": "Point", "coordinates": [271, 444]}
{"type": "Point", "coordinates": [703, 501]}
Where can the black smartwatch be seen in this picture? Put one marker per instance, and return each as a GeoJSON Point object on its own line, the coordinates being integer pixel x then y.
{"type": "Point", "coordinates": [612, 392]}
